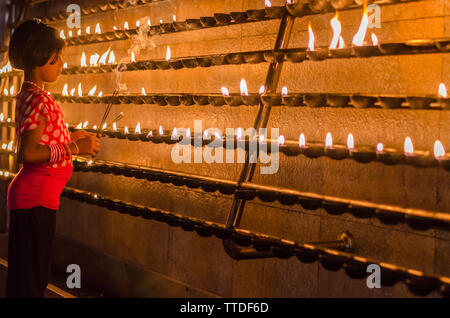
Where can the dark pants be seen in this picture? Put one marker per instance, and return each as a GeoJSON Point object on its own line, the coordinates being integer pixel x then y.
{"type": "Point", "coordinates": [31, 234]}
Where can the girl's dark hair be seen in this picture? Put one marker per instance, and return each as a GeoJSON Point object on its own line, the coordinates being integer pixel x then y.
{"type": "Point", "coordinates": [32, 44]}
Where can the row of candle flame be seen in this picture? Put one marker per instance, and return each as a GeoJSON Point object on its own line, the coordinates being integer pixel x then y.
{"type": "Point", "coordinates": [138, 23]}
{"type": "Point", "coordinates": [442, 90]}
{"type": "Point", "coordinates": [439, 150]}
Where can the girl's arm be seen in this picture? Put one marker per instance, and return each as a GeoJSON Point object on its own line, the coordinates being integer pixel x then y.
{"type": "Point", "coordinates": [31, 151]}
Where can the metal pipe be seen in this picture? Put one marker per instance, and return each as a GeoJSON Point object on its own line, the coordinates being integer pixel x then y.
{"type": "Point", "coordinates": [271, 83]}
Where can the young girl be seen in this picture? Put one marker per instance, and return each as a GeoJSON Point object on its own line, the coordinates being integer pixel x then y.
{"type": "Point", "coordinates": [45, 148]}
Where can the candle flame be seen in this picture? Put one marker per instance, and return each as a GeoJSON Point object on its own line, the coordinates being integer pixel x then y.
{"type": "Point", "coordinates": [65, 65]}
{"type": "Point", "coordinates": [83, 60]}
{"type": "Point", "coordinates": [358, 39]}
{"type": "Point", "coordinates": [94, 127]}
{"type": "Point", "coordinates": [350, 142]}
{"type": "Point", "coordinates": [442, 90]}
{"type": "Point", "coordinates": [311, 38]}
{"type": "Point", "coordinates": [97, 29]}
{"type": "Point", "coordinates": [125, 25]}
{"type": "Point", "coordinates": [61, 34]}
{"type": "Point", "coordinates": [409, 149]}
{"type": "Point", "coordinates": [168, 54]}
{"type": "Point", "coordinates": [112, 58]}
{"type": "Point", "coordinates": [104, 126]}
{"type": "Point", "coordinates": [137, 24]}
{"type": "Point", "coordinates": [188, 132]}
{"type": "Point", "coordinates": [380, 147]}
{"type": "Point", "coordinates": [174, 132]}
{"type": "Point", "coordinates": [72, 91]}
{"type": "Point", "coordinates": [205, 134]}
{"type": "Point", "coordinates": [438, 149]}
{"type": "Point", "coordinates": [92, 91]}
{"type": "Point", "coordinates": [261, 138]}
{"type": "Point", "coordinates": [225, 91]}
{"type": "Point", "coordinates": [301, 141]}
{"type": "Point", "coordinates": [337, 28]}
{"type": "Point", "coordinates": [284, 91]}
{"type": "Point", "coordinates": [268, 3]}
{"type": "Point", "coordinates": [150, 133]}
{"type": "Point", "coordinates": [80, 93]}
{"type": "Point", "coordinates": [149, 22]}
{"type": "Point", "coordinates": [125, 130]}
{"type": "Point", "coordinates": [161, 132]}
{"type": "Point", "coordinates": [94, 59]}
{"type": "Point", "coordinates": [244, 90]}
{"type": "Point", "coordinates": [239, 133]}
{"type": "Point", "coordinates": [216, 134]}
{"type": "Point", "coordinates": [341, 42]}
{"type": "Point", "coordinates": [114, 28]}
{"type": "Point", "coordinates": [137, 130]}
{"type": "Point", "coordinates": [132, 57]}
{"type": "Point", "coordinates": [114, 126]}
{"type": "Point", "coordinates": [70, 33]}
{"type": "Point", "coordinates": [64, 91]}
{"type": "Point", "coordinates": [79, 126]}
{"type": "Point", "coordinates": [89, 162]}
{"type": "Point", "coordinates": [85, 124]}
{"type": "Point", "coordinates": [374, 39]}
{"type": "Point", "coordinates": [143, 92]}
{"type": "Point", "coordinates": [11, 90]}
{"type": "Point", "coordinates": [104, 56]}
{"type": "Point", "coordinates": [79, 32]}
{"type": "Point", "coordinates": [262, 90]}
{"type": "Point", "coordinates": [100, 94]}
{"type": "Point", "coordinates": [281, 140]}
{"type": "Point", "coordinates": [328, 141]}
{"type": "Point", "coordinates": [161, 21]}
{"type": "Point", "coordinates": [2, 117]}
{"type": "Point", "coordinates": [174, 18]}
{"type": "Point", "coordinates": [88, 30]}
{"type": "Point", "coordinates": [10, 146]}
{"type": "Point", "coordinates": [5, 92]}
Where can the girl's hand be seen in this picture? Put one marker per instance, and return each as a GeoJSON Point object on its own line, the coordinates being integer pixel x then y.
{"type": "Point", "coordinates": [80, 134]}
{"type": "Point", "coordinates": [89, 145]}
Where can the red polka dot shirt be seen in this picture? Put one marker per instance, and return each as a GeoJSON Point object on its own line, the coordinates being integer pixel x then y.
{"type": "Point", "coordinates": [33, 104]}
{"type": "Point", "coordinates": [40, 184]}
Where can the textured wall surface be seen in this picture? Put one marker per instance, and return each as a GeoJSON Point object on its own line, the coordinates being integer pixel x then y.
{"type": "Point", "coordinates": [202, 263]}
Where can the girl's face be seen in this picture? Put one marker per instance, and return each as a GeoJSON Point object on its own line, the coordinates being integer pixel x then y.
{"type": "Point", "coordinates": [51, 70]}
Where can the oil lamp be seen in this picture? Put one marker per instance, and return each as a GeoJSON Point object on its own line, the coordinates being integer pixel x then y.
{"type": "Point", "coordinates": [389, 156]}
{"type": "Point", "coordinates": [312, 53]}
{"type": "Point", "coordinates": [315, 100]}
{"type": "Point", "coordinates": [415, 157]}
{"type": "Point", "coordinates": [338, 100]}
{"type": "Point", "coordinates": [360, 101]}
{"type": "Point", "coordinates": [246, 98]}
{"type": "Point", "coordinates": [175, 64]}
{"type": "Point", "coordinates": [273, 12]}
{"type": "Point", "coordinates": [337, 45]}
{"type": "Point", "coordinates": [391, 101]}
{"type": "Point", "coordinates": [441, 157]}
{"type": "Point", "coordinates": [337, 152]}
{"type": "Point", "coordinates": [234, 100]}
{"type": "Point", "coordinates": [361, 154]}
{"type": "Point", "coordinates": [291, 100]}
{"type": "Point", "coordinates": [310, 150]}
{"type": "Point", "coordinates": [256, 15]}
{"type": "Point", "coordinates": [239, 16]}
{"type": "Point", "coordinates": [135, 136]}
{"type": "Point", "coordinates": [360, 47]}
{"type": "Point", "coordinates": [164, 64]}
{"type": "Point", "coordinates": [443, 99]}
